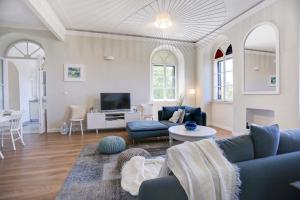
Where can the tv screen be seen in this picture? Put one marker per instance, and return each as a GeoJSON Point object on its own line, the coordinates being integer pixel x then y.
{"type": "Point", "coordinates": [115, 101]}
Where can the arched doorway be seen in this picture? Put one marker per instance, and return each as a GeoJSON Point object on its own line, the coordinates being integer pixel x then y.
{"type": "Point", "coordinates": [25, 84]}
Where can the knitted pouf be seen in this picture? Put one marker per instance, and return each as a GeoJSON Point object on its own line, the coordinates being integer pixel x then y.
{"type": "Point", "coordinates": [129, 153]}
{"type": "Point", "coordinates": [111, 145]}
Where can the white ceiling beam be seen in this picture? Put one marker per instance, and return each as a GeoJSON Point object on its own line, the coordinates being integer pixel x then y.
{"type": "Point", "coordinates": [46, 14]}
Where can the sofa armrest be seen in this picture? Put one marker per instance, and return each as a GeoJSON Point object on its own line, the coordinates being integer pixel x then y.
{"type": "Point", "coordinates": [159, 115]}
{"type": "Point", "coordinates": [162, 189]}
{"type": "Point", "coordinates": [204, 118]}
{"type": "Point", "coordinates": [269, 178]}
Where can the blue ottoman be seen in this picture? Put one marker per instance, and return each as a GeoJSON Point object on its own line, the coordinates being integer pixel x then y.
{"type": "Point", "coordinates": [111, 145]}
{"type": "Point", "coordinates": [146, 129]}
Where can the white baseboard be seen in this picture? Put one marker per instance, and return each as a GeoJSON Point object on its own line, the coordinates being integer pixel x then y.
{"type": "Point", "coordinates": [57, 130]}
{"type": "Point", "coordinates": [52, 130]}
{"type": "Point", "coordinates": [227, 128]}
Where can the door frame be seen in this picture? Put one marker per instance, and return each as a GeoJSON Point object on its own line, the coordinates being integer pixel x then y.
{"type": "Point", "coordinates": [5, 84]}
{"type": "Point", "coordinates": [42, 108]}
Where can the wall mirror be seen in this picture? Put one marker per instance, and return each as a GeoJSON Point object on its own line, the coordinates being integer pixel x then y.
{"type": "Point", "coordinates": [261, 60]}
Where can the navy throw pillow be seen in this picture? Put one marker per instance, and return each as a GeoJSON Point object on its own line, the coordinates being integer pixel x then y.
{"type": "Point", "coordinates": [195, 114]}
{"type": "Point", "coordinates": [265, 140]}
{"type": "Point", "coordinates": [187, 117]}
{"type": "Point", "coordinates": [289, 141]}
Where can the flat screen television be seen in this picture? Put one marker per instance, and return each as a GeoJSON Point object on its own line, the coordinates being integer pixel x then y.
{"type": "Point", "coordinates": [115, 101]}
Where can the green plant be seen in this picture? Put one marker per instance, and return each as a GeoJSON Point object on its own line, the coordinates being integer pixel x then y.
{"type": "Point", "coordinates": [180, 100]}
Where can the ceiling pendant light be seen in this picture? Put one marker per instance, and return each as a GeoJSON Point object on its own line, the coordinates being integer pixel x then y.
{"type": "Point", "coordinates": [163, 21]}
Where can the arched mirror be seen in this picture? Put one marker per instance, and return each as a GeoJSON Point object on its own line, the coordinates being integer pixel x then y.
{"type": "Point", "coordinates": [261, 60]}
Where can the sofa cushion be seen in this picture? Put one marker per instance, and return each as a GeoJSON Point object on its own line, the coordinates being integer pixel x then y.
{"type": "Point", "coordinates": [265, 140]}
{"type": "Point", "coordinates": [187, 117]}
{"type": "Point", "coordinates": [146, 125]}
{"type": "Point", "coordinates": [167, 111]}
{"type": "Point", "coordinates": [237, 149]}
{"type": "Point", "coordinates": [289, 141]}
{"type": "Point", "coordinates": [195, 114]}
{"type": "Point", "coordinates": [176, 116]}
{"type": "Point", "coordinates": [168, 123]}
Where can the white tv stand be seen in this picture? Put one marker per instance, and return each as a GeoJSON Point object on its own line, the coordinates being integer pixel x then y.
{"type": "Point", "coordinates": [111, 120]}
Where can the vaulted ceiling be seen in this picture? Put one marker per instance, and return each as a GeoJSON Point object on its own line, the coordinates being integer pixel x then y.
{"type": "Point", "coordinates": [192, 20]}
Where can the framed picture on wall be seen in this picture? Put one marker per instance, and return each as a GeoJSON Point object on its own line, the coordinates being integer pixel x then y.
{"type": "Point", "coordinates": [272, 81]}
{"type": "Point", "coordinates": [74, 72]}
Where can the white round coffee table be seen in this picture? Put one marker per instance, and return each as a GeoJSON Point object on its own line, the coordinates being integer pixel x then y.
{"type": "Point", "coordinates": [180, 133]}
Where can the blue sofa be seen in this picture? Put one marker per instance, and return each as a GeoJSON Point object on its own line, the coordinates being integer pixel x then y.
{"type": "Point", "coordinates": [266, 178]}
{"type": "Point", "coordinates": [138, 130]}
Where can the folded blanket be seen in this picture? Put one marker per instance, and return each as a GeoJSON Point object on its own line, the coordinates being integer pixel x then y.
{"type": "Point", "coordinates": [137, 170]}
{"type": "Point", "coordinates": [203, 171]}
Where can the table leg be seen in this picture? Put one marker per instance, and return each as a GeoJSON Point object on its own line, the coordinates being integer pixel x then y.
{"type": "Point", "coordinates": [170, 141]}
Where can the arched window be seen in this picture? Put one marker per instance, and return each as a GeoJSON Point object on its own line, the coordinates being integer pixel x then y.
{"type": "Point", "coordinates": [164, 82]}
{"type": "Point", "coordinates": [223, 74]}
{"type": "Point", "coordinates": [25, 49]}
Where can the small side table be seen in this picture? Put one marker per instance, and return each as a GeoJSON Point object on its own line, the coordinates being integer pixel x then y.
{"type": "Point", "coordinates": [296, 185]}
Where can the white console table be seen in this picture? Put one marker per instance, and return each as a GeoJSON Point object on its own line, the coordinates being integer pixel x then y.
{"type": "Point", "coordinates": [109, 120]}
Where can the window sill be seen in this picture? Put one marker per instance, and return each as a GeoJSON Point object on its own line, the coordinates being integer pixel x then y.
{"type": "Point", "coordinates": [164, 100]}
{"type": "Point", "coordinates": [222, 102]}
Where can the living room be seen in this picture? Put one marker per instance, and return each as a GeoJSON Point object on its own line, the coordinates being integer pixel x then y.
{"type": "Point", "coordinates": [93, 90]}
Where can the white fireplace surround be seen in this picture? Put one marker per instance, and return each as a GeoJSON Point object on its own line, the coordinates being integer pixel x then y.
{"type": "Point", "coordinates": [260, 116]}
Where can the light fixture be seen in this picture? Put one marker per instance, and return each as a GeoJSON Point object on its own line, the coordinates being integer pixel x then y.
{"type": "Point", "coordinates": [192, 91]}
{"type": "Point", "coordinates": [109, 58]}
{"type": "Point", "coordinates": [163, 21]}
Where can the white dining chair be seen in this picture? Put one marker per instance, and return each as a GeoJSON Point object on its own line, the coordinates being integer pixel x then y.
{"type": "Point", "coordinates": [15, 129]}
{"type": "Point", "coordinates": [1, 155]}
{"type": "Point", "coordinates": [78, 113]}
{"type": "Point", "coordinates": [147, 111]}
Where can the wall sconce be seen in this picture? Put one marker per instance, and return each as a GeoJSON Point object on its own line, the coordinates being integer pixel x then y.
{"type": "Point", "coordinates": [192, 91]}
{"type": "Point", "coordinates": [109, 58]}
{"type": "Point", "coordinates": [256, 69]}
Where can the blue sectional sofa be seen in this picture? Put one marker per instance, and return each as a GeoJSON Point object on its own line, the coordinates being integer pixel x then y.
{"type": "Point", "coordinates": [264, 178]}
{"type": "Point", "coordinates": [138, 130]}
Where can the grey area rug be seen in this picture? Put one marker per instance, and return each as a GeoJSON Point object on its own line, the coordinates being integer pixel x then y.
{"type": "Point", "coordinates": [94, 176]}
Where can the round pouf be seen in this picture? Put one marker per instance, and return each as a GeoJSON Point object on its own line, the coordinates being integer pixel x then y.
{"type": "Point", "coordinates": [111, 145]}
{"type": "Point", "coordinates": [129, 153]}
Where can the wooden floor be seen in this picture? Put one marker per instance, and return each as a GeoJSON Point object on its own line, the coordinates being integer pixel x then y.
{"type": "Point", "coordinates": [38, 170]}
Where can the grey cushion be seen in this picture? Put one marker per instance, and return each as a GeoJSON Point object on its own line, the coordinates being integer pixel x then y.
{"type": "Point", "coordinates": [129, 153]}
{"type": "Point", "coordinates": [237, 149]}
{"type": "Point", "coordinates": [289, 141]}
{"type": "Point", "coordinates": [265, 140]}
{"type": "Point", "coordinates": [147, 125]}
{"type": "Point", "coordinates": [167, 111]}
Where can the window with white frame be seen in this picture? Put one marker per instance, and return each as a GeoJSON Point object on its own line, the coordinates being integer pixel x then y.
{"type": "Point", "coordinates": [223, 75]}
{"type": "Point", "coordinates": [164, 75]}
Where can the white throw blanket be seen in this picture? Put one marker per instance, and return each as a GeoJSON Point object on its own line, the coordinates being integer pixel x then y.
{"type": "Point", "coordinates": [200, 167]}
{"type": "Point", "coordinates": [137, 170]}
{"type": "Point", "coordinates": [203, 171]}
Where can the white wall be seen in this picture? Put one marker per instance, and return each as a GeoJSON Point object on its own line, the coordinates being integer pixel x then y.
{"type": "Point", "coordinates": [285, 15]}
{"type": "Point", "coordinates": [13, 87]}
{"type": "Point", "coordinates": [129, 72]}
{"type": "Point", "coordinates": [222, 115]}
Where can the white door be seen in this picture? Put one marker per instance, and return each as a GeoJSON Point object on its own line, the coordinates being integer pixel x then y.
{"type": "Point", "coordinates": [41, 95]}
{"type": "Point", "coordinates": [4, 102]}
